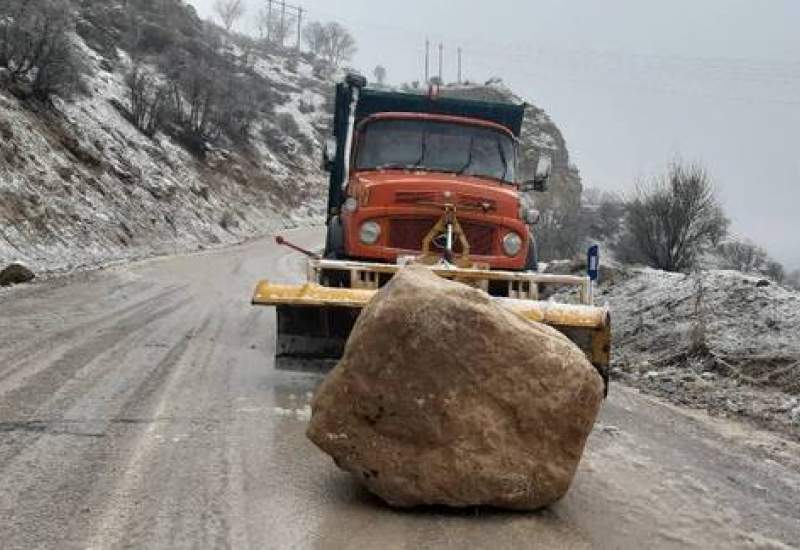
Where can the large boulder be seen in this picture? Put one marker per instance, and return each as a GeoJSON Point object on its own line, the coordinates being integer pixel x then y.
{"type": "Point", "coordinates": [444, 397]}
{"type": "Point", "coordinates": [15, 274]}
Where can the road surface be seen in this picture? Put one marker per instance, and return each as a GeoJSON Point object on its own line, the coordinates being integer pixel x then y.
{"type": "Point", "coordinates": [139, 408]}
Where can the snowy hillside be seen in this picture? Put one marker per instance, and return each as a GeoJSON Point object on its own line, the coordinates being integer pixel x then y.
{"type": "Point", "coordinates": [720, 340]}
{"type": "Point", "coordinates": [81, 185]}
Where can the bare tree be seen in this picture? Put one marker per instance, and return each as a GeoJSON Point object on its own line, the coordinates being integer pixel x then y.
{"type": "Point", "coordinates": [339, 45]}
{"type": "Point", "coordinates": [314, 36]}
{"type": "Point", "coordinates": [36, 47]}
{"type": "Point", "coordinates": [792, 280]}
{"type": "Point", "coordinates": [146, 99]}
{"type": "Point", "coordinates": [238, 108]}
{"type": "Point", "coordinates": [743, 256]}
{"type": "Point", "coordinates": [263, 21]}
{"type": "Point", "coordinates": [775, 271]}
{"type": "Point", "coordinates": [601, 214]}
{"type": "Point", "coordinates": [229, 12]}
{"type": "Point", "coordinates": [194, 97]}
{"type": "Point", "coordinates": [560, 231]}
{"type": "Point", "coordinates": [380, 75]}
{"type": "Point", "coordinates": [671, 220]}
{"type": "Point", "coordinates": [281, 28]}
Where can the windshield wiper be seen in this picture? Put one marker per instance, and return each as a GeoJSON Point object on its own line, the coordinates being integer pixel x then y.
{"type": "Point", "coordinates": [503, 158]}
{"type": "Point", "coordinates": [424, 150]}
{"type": "Point", "coordinates": [469, 158]}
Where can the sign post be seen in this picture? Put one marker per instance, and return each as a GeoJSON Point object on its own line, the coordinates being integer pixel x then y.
{"type": "Point", "coordinates": [593, 268]}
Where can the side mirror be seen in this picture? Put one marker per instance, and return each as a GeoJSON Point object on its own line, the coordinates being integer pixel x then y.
{"type": "Point", "coordinates": [542, 178]}
{"type": "Point", "coordinates": [531, 216]}
{"type": "Point", "coordinates": [355, 80]}
{"type": "Point", "coordinates": [329, 154]}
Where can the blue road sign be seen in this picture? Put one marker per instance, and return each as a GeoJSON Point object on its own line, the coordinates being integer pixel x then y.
{"type": "Point", "coordinates": [593, 262]}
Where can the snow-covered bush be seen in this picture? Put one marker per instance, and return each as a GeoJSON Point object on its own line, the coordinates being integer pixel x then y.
{"type": "Point", "coordinates": [37, 49]}
{"type": "Point", "coordinates": [671, 220]}
{"type": "Point", "coordinates": [743, 256]}
{"type": "Point", "coordinates": [147, 100]}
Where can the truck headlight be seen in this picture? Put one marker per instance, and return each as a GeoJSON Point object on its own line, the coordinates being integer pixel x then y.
{"type": "Point", "coordinates": [512, 244]}
{"type": "Point", "coordinates": [370, 232]}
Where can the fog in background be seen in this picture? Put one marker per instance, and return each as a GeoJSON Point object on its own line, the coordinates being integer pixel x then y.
{"type": "Point", "coordinates": [632, 84]}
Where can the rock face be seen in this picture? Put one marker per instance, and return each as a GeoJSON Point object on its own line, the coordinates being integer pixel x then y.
{"type": "Point", "coordinates": [443, 397]}
{"type": "Point", "coordinates": [15, 274]}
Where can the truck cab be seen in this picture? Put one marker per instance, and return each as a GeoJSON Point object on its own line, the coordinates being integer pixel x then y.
{"type": "Point", "coordinates": [400, 161]}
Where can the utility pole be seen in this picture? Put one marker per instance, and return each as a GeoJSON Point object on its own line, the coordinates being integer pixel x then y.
{"type": "Point", "coordinates": [459, 65]}
{"type": "Point", "coordinates": [283, 23]}
{"type": "Point", "coordinates": [269, 20]}
{"type": "Point", "coordinates": [427, 61]}
{"type": "Point", "coordinates": [299, 26]}
{"type": "Point", "coordinates": [441, 59]}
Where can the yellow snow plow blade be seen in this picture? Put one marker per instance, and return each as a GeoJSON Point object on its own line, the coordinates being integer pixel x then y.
{"type": "Point", "coordinates": [310, 294]}
{"type": "Point", "coordinates": [314, 321]}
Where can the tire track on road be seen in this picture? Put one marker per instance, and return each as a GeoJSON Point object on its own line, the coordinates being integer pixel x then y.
{"type": "Point", "coordinates": [154, 453]}
{"type": "Point", "coordinates": [71, 469]}
{"type": "Point", "coordinates": [34, 351]}
{"type": "Point", "coordinates": [24, 400]}
{"type": "Point", "coordinates": [27, 426]}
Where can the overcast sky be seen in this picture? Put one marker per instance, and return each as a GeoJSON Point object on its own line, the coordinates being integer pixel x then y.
{"type": "Point", "coordinates": [631, 83]}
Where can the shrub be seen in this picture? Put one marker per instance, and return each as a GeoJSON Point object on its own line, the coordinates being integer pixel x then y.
{"type": "Point", "coordinates": [155, 38]}
{"type": "Point", "coordinates": [792, 280]}
{"type": "Point", "coordinates": [602, 214]}
{"type": "Point", "coordinates": [37, 49]}
{"type": "Point", "coordinates": [147, 99]}
{"type": "Point", "coordinates": [775, 271]}
{"type": "Point", "coordinates": [306, 107]}
{"type": "Point", "coordinates": [743, 256]}
{"type": "Point", "coordinates": [560, 231]}
{"type": "Point", "coordinates": [288, 125]}
{"type": "Point", "coordinates": [292, 64]}
{"type": "Point", "coordinates": [331, 41]}
{"type": "Point", "coordinates": [672, 219]}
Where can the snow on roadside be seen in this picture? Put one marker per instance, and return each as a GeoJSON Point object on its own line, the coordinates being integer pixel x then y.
{"type": "Point", "coordinates": [719, 340]}
{"type": "Point", "coordinates": [743, 316]}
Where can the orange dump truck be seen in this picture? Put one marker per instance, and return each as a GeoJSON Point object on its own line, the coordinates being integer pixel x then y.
{"type": "Point", "coordinates": [428, 180]}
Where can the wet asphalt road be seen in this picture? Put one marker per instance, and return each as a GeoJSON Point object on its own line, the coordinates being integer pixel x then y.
{"type": "Point", "coordinates": [139, 408]}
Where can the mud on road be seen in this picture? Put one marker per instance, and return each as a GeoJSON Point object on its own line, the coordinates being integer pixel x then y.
{"type": "Point", "coordinates": [139, 408]}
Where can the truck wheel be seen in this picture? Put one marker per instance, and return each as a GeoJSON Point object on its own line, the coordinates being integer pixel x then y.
{"type": "Point", "coordinates": [334, 240]}
{"type": "Point", "coordinates": [532, 261]}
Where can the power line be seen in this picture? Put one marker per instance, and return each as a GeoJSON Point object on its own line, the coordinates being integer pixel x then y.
{"type": "Point", "coordinates": [427, 60]}
{"type": "Point", "coordinates": [286, 10]}
{"type": "Point", "coordinates": [441, 63]}
{"type": "Point", "coordinates": [736, 68]}
{"type": "Point", "coordinates": [612, 70]}
{"type": "Point", "coordinates": [459, 65]}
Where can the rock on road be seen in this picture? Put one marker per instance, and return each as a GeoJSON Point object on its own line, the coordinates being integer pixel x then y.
{"type": "Point", "coordinates": [139, 408]}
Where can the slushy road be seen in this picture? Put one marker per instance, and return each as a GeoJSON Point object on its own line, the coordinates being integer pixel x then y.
{"type": "Point", "coordinates": [139, 408]}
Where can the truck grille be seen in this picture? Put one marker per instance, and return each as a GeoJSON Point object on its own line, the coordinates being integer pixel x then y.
{"type": "Point", "coordinates": [407, 234]}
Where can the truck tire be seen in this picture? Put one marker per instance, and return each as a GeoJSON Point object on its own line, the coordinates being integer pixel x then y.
{"type": "Point", "coordinates": [334, 240]}
{"type": "Point", "coordinates": [532, 260]}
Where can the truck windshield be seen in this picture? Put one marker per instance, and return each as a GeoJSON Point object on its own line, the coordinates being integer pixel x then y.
{"type": "Point", "coordinates": [438, 147]}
